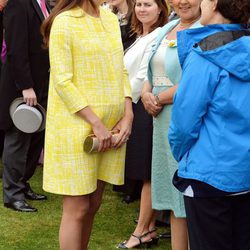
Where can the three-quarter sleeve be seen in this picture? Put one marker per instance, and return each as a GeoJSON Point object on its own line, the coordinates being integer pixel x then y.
{"type": "Point", "coordinates": [127, 86]}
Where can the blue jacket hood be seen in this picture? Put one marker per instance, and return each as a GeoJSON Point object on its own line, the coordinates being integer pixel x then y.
{"type": "Point", "coordinates": [222, 55]}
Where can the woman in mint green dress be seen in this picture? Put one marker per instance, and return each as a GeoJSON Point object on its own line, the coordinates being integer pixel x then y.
{"type": "Point", "coordinates": [164, 73]}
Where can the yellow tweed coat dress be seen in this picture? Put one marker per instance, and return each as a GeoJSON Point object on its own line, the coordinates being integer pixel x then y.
{"type": "Point", "coordinates": [86, 57]}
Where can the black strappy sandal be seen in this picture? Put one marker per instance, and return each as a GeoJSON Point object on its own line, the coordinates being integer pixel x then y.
{"type": "Point", "coordinates": [154, 239]}
{"type": "Point", "coordinates": [141, 244]}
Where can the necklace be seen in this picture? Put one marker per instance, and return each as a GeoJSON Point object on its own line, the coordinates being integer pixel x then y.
{"type": "Point", "coordinates": [171, 36]}
{"type": "Point", "coordinates": [186, 25]}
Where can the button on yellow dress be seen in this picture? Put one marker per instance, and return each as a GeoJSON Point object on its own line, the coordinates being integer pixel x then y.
{"type": "Point", "coordinates": [86, 57]}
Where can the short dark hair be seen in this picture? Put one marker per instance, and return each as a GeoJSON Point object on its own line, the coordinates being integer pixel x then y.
{"type": "Point", "coordinates": [237, 11]}
{"type": "Point", "coordinates": [136, 25]}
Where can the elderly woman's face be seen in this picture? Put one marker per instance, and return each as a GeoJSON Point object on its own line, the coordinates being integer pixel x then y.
{"type": "Point", "coordinates": [187, 9]}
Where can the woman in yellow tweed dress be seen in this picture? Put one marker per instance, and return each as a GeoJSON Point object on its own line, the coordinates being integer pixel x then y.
{"type": "Point", "coordinates": [89, 93]}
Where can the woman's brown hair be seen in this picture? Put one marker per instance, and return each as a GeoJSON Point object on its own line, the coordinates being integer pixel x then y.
{"type": "Point", "coordinates": [136, 25]}
{"type": "Point", "coordinates": [61, 6]}
{"type": "Point", "coordinates": [237, 11]}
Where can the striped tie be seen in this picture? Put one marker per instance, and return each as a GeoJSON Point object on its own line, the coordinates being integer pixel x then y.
{"type": "Point", "coordinates": [43, 7]}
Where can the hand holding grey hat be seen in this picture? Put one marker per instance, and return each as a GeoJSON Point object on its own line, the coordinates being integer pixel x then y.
{"type": "Point", "coordinates": [26, 118]}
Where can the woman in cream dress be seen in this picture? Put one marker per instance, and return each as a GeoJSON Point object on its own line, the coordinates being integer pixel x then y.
{"type": "Point", "coordinates": [89, 93]}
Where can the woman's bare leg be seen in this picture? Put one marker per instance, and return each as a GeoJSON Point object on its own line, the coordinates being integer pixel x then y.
{"type": "Point", "coordinates": [179, 235]}
{"type": "Point", "coordinates": [95, 203]}
{"type": "Point", "coordinates": [152, 227]}
{"type": "Point", "coordinates": [146, 216]}
{"type": "Point", "coordinates": [75, 210]}
{"type": "Point", "coordinates": [77, 219]}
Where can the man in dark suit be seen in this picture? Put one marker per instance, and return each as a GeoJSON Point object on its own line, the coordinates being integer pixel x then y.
{"type": "Point", "coordinates": [24, 74]}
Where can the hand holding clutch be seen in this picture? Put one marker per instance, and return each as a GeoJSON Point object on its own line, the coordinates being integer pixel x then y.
{"type": "Point", "coordinates": [91, 143]}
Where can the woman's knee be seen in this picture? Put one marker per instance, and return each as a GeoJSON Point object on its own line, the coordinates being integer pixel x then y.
{"type": "Point", "coordinates": [76, 207]}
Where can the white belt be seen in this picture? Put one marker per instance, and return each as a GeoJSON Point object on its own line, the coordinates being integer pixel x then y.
{"type": "Point", "coordinates": [162, 81]}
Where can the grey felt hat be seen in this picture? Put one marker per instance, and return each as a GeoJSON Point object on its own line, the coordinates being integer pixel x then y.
{"type": "Point", "coordinates": [26, 118]}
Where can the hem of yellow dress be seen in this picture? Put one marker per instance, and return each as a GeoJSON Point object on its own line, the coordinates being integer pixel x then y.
{"type": "Point", "coordinates": [118, 183]}
{"type": "Point", "coordinates": [48, 190]}
{"type": "Point", "coordinates": [67, 193]}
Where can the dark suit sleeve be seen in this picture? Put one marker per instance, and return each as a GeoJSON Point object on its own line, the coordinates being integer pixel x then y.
{"type": "Point", "coordinates": [1, 30]}
{"type": "Point", "coordinates": [17, 42]}
{"type": "Point", "coordinates": [1, 37]}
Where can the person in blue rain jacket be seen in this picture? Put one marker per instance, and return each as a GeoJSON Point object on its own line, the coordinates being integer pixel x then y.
{"type": "Point", "coordinates": [210, 127]}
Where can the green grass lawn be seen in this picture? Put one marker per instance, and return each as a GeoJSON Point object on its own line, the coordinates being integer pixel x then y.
{"type": "Point", "coordinates": [39, 231]}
